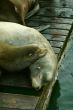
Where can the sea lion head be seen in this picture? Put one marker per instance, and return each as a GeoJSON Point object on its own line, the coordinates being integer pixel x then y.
{"type": "Point", "coordinates": [42, 72]}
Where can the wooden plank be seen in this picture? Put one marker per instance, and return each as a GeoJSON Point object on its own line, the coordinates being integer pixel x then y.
{"type": "Point", "coordinates": [56, 12]}
{"type": "Point", "coordinates": [51, 25]}
{"type": "Point", "coordinates": [55, 37]}
{"type": "Point", "coordinates": [55, 32]}
{"type": "Point", "coordinates": [16, 101]}
{"type": "Point", "coordinates": [56, 50]}
{"type": "Point", "coordinates": [56, 44]}
{"type": "Point", "coordinates": [49, 19]}
{"type": "Point", "coordinates": [57, 3]}
{"type": "Point", "coordinates": [59, 26]}
{"type": "Point", "coordinates": [17, 79]}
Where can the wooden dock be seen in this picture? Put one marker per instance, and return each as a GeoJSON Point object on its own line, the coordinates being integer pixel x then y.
{"type": "Point", "coordinates": [16, 92]}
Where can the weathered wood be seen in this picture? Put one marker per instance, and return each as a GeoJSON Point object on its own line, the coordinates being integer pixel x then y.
{"type": "Point", "coordinates": [49, 19]}
{"type": "Point", "coordinates": [57, 3]}
{"type": "Point", "coordinates": [17, 79]}
{"type": "Point", "coordinates": [58, 14]}
{"type": "Point", "coordinates": [52, 25]}
{"type": "Point", "coordinates": [55, 32]}
{"type": "Point", "coordinates": [56, 44]}
{"type": "Point", "coordinates": [15, 101]}
{"type": "Point", "coordinates": [55, 37]}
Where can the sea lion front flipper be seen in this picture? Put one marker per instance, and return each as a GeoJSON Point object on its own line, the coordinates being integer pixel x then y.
{"type": "Point", "coordinates": [27, 52]}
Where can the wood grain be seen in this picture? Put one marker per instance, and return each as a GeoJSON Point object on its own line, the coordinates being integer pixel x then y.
{"type": "Point", "coordinates": [15, 101]}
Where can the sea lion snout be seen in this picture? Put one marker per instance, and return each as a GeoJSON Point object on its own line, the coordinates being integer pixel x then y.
{"type": "Point", "coordinates": [36, 82]}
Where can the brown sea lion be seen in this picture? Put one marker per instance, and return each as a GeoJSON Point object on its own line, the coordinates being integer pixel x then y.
{"type": "Point", "coordinates": [23, 6]}
{"type": "Point", "coordinates": [42, 69]}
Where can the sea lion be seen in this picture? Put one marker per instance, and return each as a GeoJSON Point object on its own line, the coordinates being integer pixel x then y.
{"type": "Point", "coordinates": [42, 69]}
{"type": "Point", "coordinates": [23, 6]}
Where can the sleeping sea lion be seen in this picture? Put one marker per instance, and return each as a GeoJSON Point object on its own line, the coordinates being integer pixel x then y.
{"type": "Point", "coordinates": [42, 69]}
{"type": "Point", "coordinates": [23, 6]}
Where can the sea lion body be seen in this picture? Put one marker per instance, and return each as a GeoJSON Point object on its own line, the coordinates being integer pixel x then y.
{"type": "Point", "coordinates": [23, 6]}
{"type": "Point", "coordinates": [43, 69]}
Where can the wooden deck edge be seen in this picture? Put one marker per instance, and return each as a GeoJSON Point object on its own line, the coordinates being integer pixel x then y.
{"type": "Point", "coordinates": [47, 90]}
{"type": "Point", "coordinates": [61, 54]}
